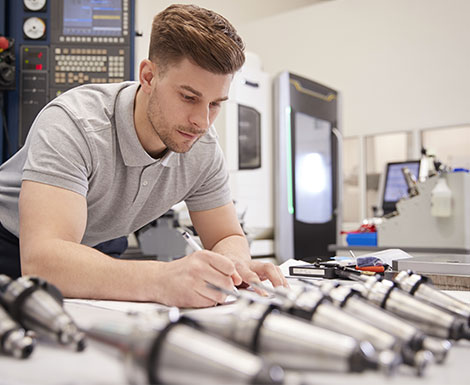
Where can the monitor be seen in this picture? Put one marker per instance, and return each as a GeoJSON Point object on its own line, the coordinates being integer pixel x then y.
{"type": "Point", "coordinates": [395, 186]}
{"type": "Point", "coordinates": [92, 18]}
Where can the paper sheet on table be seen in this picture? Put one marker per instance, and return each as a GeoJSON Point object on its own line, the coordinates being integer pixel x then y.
{"type": "Point", "coordinates": [126, 306]}
{"type": "Point", "coordinates": [122, 306]}
{"type": "Point", "coordinates": [389, 255]}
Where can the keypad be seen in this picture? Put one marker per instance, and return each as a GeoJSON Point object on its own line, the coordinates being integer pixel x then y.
{"type": "Point", "coordinates": [88, 65]}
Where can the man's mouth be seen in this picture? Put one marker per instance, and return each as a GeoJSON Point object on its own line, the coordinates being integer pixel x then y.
{"type": "Point", "coordinates": [187, 135]}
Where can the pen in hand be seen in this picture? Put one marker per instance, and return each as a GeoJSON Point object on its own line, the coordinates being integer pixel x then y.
{"type": "Point", "coordinates": [191, 242]}
{"type": "Point", "coordinates": [195, 246]}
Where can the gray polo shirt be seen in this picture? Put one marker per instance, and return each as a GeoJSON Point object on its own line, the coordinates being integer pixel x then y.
{"type": "Point", "coordinates": [85, 141]}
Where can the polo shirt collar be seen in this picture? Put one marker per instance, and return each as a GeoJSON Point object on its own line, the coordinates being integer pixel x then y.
{"type": "Point", "coordinates": [133, 154]}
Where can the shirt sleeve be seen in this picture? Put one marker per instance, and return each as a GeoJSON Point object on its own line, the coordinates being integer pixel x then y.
{"type": "Point", "coordinates": [59, 154]}
{"type": "Point", "coordinates": [214, 191]}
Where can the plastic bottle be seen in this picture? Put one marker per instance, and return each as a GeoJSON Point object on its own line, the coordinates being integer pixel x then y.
{"type": "Point", "coordinates": [441, 199]}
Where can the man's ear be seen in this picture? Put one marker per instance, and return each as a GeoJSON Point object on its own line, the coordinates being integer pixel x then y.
{"type": "Point", "coordinates": [147, 72]}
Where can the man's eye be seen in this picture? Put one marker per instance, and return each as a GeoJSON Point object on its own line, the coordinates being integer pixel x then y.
{"type": "Point", "coordinates": [188, 98]}
{"type": "Point", "coordinates": [215, 105]}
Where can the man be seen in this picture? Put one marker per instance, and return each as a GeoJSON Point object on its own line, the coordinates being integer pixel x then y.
{"type": "Point", "coordinates": [101, 161]}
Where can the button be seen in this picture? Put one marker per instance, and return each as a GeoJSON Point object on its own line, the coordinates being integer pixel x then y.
{"type": "Point", "coordinates": [145, 183]}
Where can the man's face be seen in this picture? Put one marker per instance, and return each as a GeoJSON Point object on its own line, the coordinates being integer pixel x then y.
{"type": "Point", "coordinates": [184, 103]}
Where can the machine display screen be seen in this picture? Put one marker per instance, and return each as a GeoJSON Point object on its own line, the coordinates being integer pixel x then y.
{"type": "Point", "coordinates": [92, 18]}
{"type": "Point", "coordinates": [395, 184]}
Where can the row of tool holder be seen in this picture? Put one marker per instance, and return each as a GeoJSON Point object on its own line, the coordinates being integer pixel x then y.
{"type": "Point", "coordinates": [317, 326]}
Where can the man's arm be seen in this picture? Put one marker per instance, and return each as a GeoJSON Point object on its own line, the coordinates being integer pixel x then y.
{"type": "Point", "coordinates": [52, 224]}
{"type": "Point", "coordinates": [221, 233]}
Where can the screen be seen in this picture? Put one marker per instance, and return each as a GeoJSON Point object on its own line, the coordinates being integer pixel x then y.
{"type": "Point", "coordinates": [395, 183]}
{"type": "Point", "coordinates": [313, 169]}
{"type": "Point", "coordinates": [92, 18]}
{"type": "Point", "coordinates": [249, 138]}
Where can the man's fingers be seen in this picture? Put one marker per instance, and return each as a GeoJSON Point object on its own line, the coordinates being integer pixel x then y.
{"type": "Point", "coordinates": [249, 277]}
{"type": "Point", "coordinates": [271, 272]}
{"type": "Point", "coordinates": [220, 263]}
{"type": "Point", "coordinates": [237, 279]}
{"type": "Point", "coordinates": [281, 277]}
{"type": "Point", "coordinates": [207, 287]}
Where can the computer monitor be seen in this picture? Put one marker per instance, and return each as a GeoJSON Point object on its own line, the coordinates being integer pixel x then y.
{"type": "Point", "coordinates": [395, 186]}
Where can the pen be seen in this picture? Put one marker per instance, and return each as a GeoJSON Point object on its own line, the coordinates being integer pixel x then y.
{"type": "Point", "coordinates": [191, 242]}
{"type": "Point", "coordinates": [195, 246]}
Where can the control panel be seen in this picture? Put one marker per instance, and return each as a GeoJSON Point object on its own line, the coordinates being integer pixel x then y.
{"type": "Point", "coordinates": [62, 44]}
{"type": "Point", "coordinates": [90, 43]}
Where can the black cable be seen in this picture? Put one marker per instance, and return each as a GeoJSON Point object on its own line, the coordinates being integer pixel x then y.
{"type": "Point", "coordinates": [5, 125]}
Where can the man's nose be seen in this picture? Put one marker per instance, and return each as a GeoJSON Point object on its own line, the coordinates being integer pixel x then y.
{"type": "Point", "coordinates": [200, 117]}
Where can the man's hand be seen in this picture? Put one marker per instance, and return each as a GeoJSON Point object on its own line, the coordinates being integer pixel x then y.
{"type": "Point", "coordinates": [220, 231]}
{"type": "Point", "coordinates": [256, 271]}
{"type": "Point", "coordinates": [184, 282]}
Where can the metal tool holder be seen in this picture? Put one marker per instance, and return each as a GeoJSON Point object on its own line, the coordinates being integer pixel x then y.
{"type": "Point", "coordinates": [430, 319]}
{"type": "Point", "coordinates": [37, 305]}
{"type": "Point", "coordinates": [164, 349]}
{"type": "Point", "coordinates": [415, 342]}
{"type": "Point", "coordinates": [14, 340]}
{"type": "Point", "coordinates": [289, 341]}
{"type": "Point", "coordinates": [421, 287]}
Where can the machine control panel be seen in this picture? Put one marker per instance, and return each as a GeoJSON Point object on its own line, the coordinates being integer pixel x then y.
{"type": "Point", "coordinates": [62, 44]}
{"type": "Point", "coordinates": [90, 43]}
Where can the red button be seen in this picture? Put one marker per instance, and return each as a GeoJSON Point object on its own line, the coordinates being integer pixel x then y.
{"type": "Point", "coordinates": [39, 67]}
{"type": "Point", "coordinates": [4, 43]}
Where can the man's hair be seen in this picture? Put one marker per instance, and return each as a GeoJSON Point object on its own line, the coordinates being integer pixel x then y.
{"type": "Point", "coordinates": [200, 35]}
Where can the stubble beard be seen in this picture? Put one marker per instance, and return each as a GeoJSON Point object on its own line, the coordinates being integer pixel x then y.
{"type": "Point", "coordinates": [165, 132]}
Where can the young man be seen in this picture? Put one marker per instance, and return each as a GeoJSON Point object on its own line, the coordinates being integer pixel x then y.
{"type": "Point", "coordinates": [101, 161]}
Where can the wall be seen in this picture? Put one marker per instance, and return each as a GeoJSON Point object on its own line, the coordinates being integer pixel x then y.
{"type": "Point", "coordinates": [238, 12]}
{"type": "Point", "coordinates": [399, 64]}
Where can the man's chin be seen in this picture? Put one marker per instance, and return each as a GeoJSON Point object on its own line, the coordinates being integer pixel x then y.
{"type": "Point", "coordinates": [181, 149]}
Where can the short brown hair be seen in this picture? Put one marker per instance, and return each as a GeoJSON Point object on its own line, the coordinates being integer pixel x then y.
{"type": "Point", "coordinates": [198, 34]}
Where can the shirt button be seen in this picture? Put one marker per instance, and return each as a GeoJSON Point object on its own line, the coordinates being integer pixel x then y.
{"type": "Point", "coordinates": [145, 183]}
